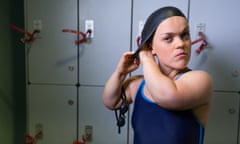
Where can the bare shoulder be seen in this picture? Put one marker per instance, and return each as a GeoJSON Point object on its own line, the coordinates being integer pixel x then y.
{"type": "Point", "coordinates": [131, 85]}
{"type": "Point", "coordinates": [198, 76]}
{"type": "Point", "coordinates": [202, 80]}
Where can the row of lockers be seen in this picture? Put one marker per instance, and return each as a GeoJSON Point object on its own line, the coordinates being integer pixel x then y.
{"type": "Point", "coordinates": [55, 58]}
{"type": "Point", "coordinates": [55, 64]}
{"type": "Point", "coordinates": [64, 116]}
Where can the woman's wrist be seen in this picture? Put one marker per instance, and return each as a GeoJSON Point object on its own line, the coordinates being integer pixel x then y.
{"type": "Point", "coordinates": [121, 76]}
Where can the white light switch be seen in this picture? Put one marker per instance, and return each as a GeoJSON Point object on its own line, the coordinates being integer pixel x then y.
{"type": "Point", "coordinates": [89, 25]}
{"type": "Point", "coordinates": [201, 27]}
{"type": "Point", "coordinates": [37, 25]}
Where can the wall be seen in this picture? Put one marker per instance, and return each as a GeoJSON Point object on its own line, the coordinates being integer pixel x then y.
{"type": "Point", "coordinates": [19, 72]}
{"type": "Point", "coordinates": [12, 74]}
{"type": "Point", "coordinates": [6, 106]}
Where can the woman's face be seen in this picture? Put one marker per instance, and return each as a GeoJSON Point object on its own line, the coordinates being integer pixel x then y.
{"type": "Point", "coordinates": [172, 43]}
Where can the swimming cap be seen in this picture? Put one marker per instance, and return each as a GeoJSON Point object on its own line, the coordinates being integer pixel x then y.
{"type": "Point", "coordinates": [155, 19]}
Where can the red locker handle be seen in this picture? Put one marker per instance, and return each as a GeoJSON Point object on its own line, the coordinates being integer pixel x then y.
{"type": "Point", "coordinates": [200, 48]}
{"type": "Point", "coordinates": [30, 35]}
{"type": "Point", "coordinates": [203, 44]}
{"type": "Point", "coordinates": [84, 138]}
{"type": "Point", "coordinates": [84, 35]}
{"type": "Point", "coordinates": [31, 139]}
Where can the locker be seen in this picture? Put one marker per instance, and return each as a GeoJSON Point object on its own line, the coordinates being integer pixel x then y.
{"type": "Point", "coordinates": [54, 109]}
{"type": "Point", "coordinates": [52, 56]}
{"type": "Point", "coordinates": [112, 31]}
{"type": "Point", "coordinates": [220, 58]}
{"type": "Point", "coordinates": [223, 122]}
{"type": "Point", "coordinates": [93, 113]}
{"type": "Point", "coordinates": [54, 66]}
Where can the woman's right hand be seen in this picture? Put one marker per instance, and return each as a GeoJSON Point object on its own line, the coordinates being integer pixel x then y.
{"type": "Point", "coordinates": [127, 63]}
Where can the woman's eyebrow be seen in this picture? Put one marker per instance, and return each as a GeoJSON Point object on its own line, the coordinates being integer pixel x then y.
{"type": "Point", "coordinates": [173, 33]}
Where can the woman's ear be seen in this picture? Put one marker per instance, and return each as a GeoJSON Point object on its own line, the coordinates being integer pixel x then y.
{"type": "Point", "coordinates": [153, 51]}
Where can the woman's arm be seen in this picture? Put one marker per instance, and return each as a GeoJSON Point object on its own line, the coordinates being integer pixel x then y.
{"type": "Point", "coordinates": [112, 91]}
{"type": "Point", "coordinates": [191, 90]}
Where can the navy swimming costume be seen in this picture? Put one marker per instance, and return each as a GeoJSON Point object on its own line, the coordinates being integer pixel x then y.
{"type": "Point", "coordinates": [153, 124]}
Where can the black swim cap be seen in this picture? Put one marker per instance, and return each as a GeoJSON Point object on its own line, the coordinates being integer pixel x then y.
{"type": "Point", "coordinates": [155, 19]}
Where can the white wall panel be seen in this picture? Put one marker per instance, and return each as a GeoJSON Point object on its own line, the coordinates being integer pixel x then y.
{"type": "Point", "coordinates": [221, 59]}
{"type": "Point", "coordinates": [55, 107]}
{"type": "Point", "coordinates": [112, 23]}
{"type": "Point", "coordinates": [52, 57]}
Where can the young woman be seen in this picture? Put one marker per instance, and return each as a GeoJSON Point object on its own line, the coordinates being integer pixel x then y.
{"type": "Point", "coordinates": [171, 101]}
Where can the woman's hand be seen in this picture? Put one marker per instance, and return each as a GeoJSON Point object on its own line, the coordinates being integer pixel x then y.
{"type": "Point", "coordinates": [127, 63]}
{"type": "Point", "coordinates": [145, 53]}
{"type": "Point", "coordinates": [112, 91]}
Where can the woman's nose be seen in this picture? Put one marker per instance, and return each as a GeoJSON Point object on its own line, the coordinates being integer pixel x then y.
{"type": "Point", "coordinates": [179, 42]}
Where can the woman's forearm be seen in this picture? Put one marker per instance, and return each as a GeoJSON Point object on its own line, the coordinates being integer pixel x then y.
{"type": "Point", "coordinates": [159, 85]}
{"type": "Point", "coordinates": [112, 90]}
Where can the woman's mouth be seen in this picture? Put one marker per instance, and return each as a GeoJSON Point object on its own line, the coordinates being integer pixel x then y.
{"type": "Point", "coordinates": [181, 54]}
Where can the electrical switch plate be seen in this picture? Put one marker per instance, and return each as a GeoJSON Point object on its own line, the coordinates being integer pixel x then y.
{"type": "Point", "coordinates": [39, 130]}
{"type": "Point", "coordinates": [89, 25]}
{"type": "Point", "coordinates": [201, 27]}
{"type": "Point", "coordinates": [37, 25]}
{"type": "Point", "coordinates": [88, 132]}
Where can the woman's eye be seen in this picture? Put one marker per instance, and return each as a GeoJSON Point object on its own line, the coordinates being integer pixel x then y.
{"type": "Point", "coordinates": [168, 39]}
{"type": "Point", "coordinates": [186, 35]}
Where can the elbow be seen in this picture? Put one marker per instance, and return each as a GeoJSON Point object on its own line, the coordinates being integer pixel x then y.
{"type": "Point", "coordinates": [108, 104]}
